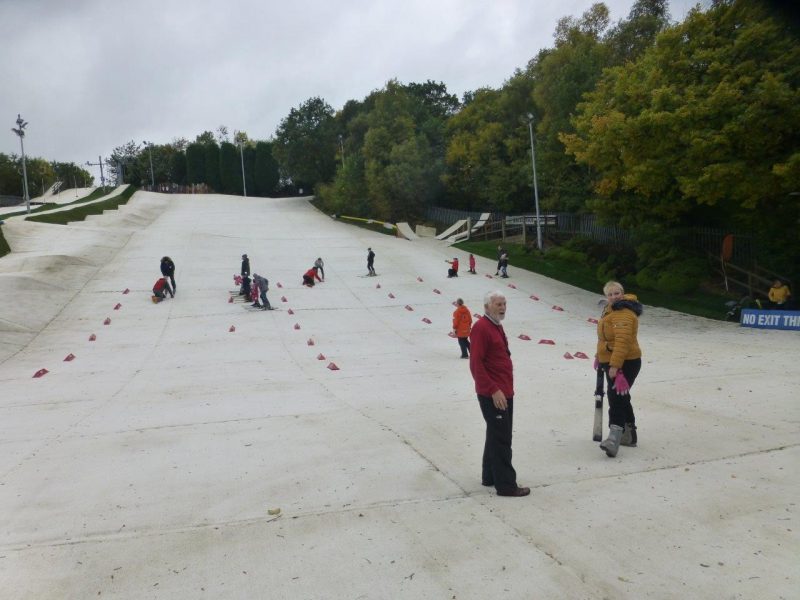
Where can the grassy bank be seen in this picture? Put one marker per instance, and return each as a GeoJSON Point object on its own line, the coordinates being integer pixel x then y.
{"type": "Point", "coordinates": [79, 213]}
{"type": "Point", "coordinates": [4, 249]}
{"type": "Point", "coordinates": [98, 193]}
{"type": "Point", "coordinates": [699, 303]}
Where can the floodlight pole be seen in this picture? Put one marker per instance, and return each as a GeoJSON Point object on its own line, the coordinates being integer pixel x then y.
{"type": "Point", "coordinates": [535, 187]}
{"type": "Point", "coordinates": [100, 164]}
{"type": "Point", "coordinates": [20, 131]}
{"type": "Point", "coordinates": [152, 177]}
{"type": "Point", "coordinates": [241, 154]}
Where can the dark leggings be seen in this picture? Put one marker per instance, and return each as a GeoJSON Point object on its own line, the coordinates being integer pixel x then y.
{"type": "Point", "coordinates": [620, 409]}
{"type": "Point", "coordinates": [463, 343]}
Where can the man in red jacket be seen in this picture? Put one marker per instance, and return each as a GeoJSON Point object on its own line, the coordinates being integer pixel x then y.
{"type": "Point", "coordinates": [490, 363]}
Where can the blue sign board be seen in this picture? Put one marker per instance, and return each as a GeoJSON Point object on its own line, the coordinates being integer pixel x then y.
{"type": "Point", "coordinates": [770, 319]}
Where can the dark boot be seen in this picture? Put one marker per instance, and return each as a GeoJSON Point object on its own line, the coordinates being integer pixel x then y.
{"type": "Point", "coordinates": [628, 435]}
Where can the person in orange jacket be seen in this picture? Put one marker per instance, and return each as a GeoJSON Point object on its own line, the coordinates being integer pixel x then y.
{"type": "Point", "coordinates": [462, 326]}
{"type": "Point", "coordinates": [308, 277]}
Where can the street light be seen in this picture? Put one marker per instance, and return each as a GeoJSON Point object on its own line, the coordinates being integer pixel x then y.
{"type": "Point", "coordinates": [341, 146]}
{"type": "Point", "coordinates": [241, 154]}
{"type": "Point", "coordinates": [535, 188]}
{"type": "Point", "coordinates": [20, 131]}
{"type": "Point", "coordinates": [152, 177]}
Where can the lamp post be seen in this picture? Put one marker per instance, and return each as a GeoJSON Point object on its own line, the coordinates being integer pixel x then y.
{"type": "Point", "coordinates": [341, 147]}
{"type": "Point", "coordinates": [152, 177]}
{"type": "Point", "coordinates": [535, 187]}
{"type": "Point", "coordinates": [241, 155]}
{"type": "Point", "coordinates": [20, 131]}
{"type": "Point", "coordinates": [100, 164]}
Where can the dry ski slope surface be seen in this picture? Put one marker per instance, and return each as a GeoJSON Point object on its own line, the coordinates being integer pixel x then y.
{"type": "Point", "coordinates": [147, 466]}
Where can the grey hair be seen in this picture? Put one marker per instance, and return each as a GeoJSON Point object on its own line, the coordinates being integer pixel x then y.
{"type": "Point", "coordinates": [487, 299]}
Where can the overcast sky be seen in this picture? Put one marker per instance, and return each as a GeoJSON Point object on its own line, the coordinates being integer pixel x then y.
{"type": "Point", "coordinates": [89, 75]}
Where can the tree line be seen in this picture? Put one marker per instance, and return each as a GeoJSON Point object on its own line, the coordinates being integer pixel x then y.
{"type": "Point", "coordinates": [41, 175]}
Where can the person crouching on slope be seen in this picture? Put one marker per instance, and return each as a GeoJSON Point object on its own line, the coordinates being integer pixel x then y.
{"type": "Point", "coordinates": [619, 356]}
{"type": "Point", "coordinates": [161, 289]}
{"type": "Point", "coordinates": [309, 276]}
{"type": "Point", "coordinates": [453, 270]}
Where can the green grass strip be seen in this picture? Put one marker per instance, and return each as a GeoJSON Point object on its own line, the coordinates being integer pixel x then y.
{"type": "Point", "coordinates": [79, 213]}
{"type": "Point", "coordinates": [98, 193]}
{"type": "Point", "coordinates": [582, 276]}
{"type": "Point", "coordinates": [4, 249]}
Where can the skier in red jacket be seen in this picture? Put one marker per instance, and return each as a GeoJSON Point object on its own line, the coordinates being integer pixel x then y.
{"type": "Point", "coordinates": [309, 276]}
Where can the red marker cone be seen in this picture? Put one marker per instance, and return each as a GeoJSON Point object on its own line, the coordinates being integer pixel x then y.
{"type": "Point", "coordinates": [534, 297]}
{"type": "Point", "coordinates": [591, 320]}
{"type": "Point", "coordinates": [230, 300]}
{"type": "Point", "coordinates": [320, 357]}
{"type": "Point", "coordinates": [435, 291]}
{"type": "Point", "coordinates": [522, 336]}
{"type": "Point", "coordinates": [40, 373]}
{"type": "Point", "coordinates": [231, 329]}
{"type": "Point", "coordinates": [451, 334]}
{"type": "Point", "coordinates": [377, 287]}
{"type": "Point", "coordinates": [92, 337]}
{"type": "Point", "coordinates": [297, 325]}
{"type": "Point", "coordinates": [333, 367]}
{"type": "Point", "coordinates": [426, 320]}
{"type": "Point", "coordinates": [391, 295]}
{"type": "Point", "coordinates": [557, 308]}
{"type": "Point", "coordinates": [107, 321]}
{"type": "Point", "coordinates": [548, 342]}
{"type": "Point", "coordinates": [118, 306]}
{"type": "Point", "coordinates": [419, 279]}
{"type": "Point", "coordinates": [290, 311]}
{"type": "Point", "coordinates": [512, 286]}
{"type": "Point", "coordinates": [126, 291]}
{"type": "Point", "coordinates": [580, 355]}
{"type": "Point", "coordinates": [283, 299]}
{"type": "Point", "coordinates": [310, 342]}
{"type": "Point", "coordinates": [279, 284]}
{"type": "Point", "coordinates": [69, 357]}
{"type": "Point", "coordinates": [408, 307]}
{"type": "Point", "coordinates": [568, 356]}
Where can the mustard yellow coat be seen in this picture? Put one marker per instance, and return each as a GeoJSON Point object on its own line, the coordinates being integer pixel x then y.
{"type": "Point", "coordinates": [617, 332]}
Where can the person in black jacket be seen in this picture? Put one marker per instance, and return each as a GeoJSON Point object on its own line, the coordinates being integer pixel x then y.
{"type": "Point", "coordinates": [245, 289]}
{"type": "Point", "coordinates": [168, 270]}
{"type": "Point", "coordinates": [245, 266]}
{"type": "Point", "coordinates": [370, 262]}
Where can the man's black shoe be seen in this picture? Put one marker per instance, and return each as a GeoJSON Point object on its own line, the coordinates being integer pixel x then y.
{"type": "Point", "coordinates": [517, 492]}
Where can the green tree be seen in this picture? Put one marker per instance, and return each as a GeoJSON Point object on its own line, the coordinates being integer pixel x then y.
{"type": "Point", "coordinates": [230, 169]}
{"type": "Point", "coordinates": [265, 170]}
{"type": "Point", "coordinates": [703, 128]}
{"type": "Point", "coordinates": [211, 154]}
{"type": "Point", "coordinates": [305, 144]}
{"type": "Point", "coordinates": [195, 163]}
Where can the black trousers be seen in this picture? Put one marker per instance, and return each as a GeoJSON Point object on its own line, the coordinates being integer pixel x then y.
{"type": "Point", "coordinates": [620, 409]}
{"type": "Point", "coordinates": [496, 468]}
{"type": "Point", "coordinates": [464, 345]}
{"type": "Point", "coordinates": [309, 281]}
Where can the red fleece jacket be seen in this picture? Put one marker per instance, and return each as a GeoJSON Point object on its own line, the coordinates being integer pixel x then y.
{"type": "Point", "coordinates": [490, 359]}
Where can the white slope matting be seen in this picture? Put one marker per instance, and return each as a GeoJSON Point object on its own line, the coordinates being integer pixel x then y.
{"type": "Point", "coordinates": [147, 466]}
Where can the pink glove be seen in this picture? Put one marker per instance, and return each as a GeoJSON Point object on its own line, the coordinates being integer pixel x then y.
{"type": "Point", "coordinates": [596, 364]}
{"type": "Point", "coordinates": [621, 384]}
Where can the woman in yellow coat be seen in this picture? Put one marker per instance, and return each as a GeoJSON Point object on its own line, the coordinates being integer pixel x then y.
{"type": "Point", "coordinates": [619, 356]}
{"type": "Point", "coordinates": [462, 326]}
